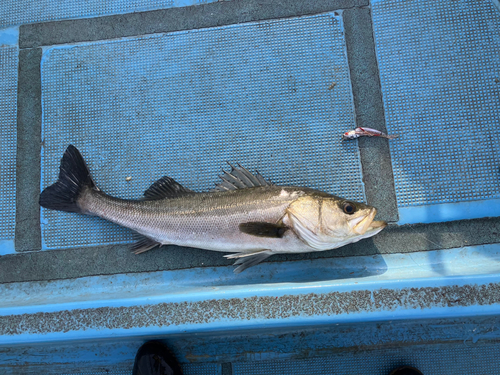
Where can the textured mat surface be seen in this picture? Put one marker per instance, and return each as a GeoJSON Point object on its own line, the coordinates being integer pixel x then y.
{"type": "Point", "coordinates": [17, 12]}
{"type": "Point", "coordinates": [8, 141]}
{"type": "Point", "coordinates": [459, 359]}
{"type": "Point", "coordinates": [201, 369]}
{"type": "Point", "coordinates": [187, 369]}
{"type": "Point", "coordinates": [439, 68]}
{"type": "Point", "coordinates": [183, 104]}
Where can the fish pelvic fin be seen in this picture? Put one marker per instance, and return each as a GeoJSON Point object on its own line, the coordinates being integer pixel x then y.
{"type": "Point", "coordinates": [74, 179]}
{"type": "Point", "coordinates": [143, 245]}
{"type": "Point", "coordinates": [247, 260]}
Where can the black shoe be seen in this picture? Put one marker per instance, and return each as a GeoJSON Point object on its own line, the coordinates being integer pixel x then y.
{"type": "Point", "coordinates": [154, 358]}
{"type": "Point", "coordinates": [406, 370]}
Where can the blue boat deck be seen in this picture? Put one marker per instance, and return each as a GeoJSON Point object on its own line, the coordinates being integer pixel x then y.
{"type": "Point", "coordinates": [180, 88]}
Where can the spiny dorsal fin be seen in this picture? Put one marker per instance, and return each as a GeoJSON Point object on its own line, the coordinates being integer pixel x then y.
{"type": "Point", "coordinates": [262, 229]}
{"type": "Point", "coordinates": [240, 178]}
{"type": "Point", "coordinates": [166, 187]}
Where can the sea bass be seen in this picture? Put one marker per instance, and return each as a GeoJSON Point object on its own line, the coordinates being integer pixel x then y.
{"type": "Point", "coordinates": [245, 214]}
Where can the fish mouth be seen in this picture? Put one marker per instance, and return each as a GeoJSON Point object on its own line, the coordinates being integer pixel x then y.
{"type": "Point", "coordinates": [367, 224]}
{"type": "Point", "coordinates": [375, 227]}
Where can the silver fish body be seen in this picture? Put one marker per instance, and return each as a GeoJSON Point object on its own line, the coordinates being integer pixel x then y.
{"type": "Point", "coordinates": [246, 215]}
{"type": "Point", "coordinates": [204, 220]}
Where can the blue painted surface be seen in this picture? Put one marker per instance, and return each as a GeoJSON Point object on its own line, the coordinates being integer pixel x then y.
{"type": "Point", "coordinates": [439, 66]}
{"type": "Point", "coordinates": [183, 104]}
{"type": "Point", "coordinates": [224, 325]}
{"type": "Point", "coordinates": [478, 265]}
{"type": "Point", "coordinates": [7, 247]}
{"type": "Point", "coordinates": [468, 341]}
{"type": "Point", "coordinates": [9, 36]}
{"type": "Point", "coordinates": [277, 278]}
{"type": "Point", "coordinates": [17, 12]}
{"type": "Point", "coordinates": [437, 213]}
{"type": "Point", "coordinates": [8, 142]}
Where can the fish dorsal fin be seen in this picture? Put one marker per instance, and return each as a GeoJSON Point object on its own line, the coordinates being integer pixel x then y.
{"type": "Point", "coordinates": [240, 178]}
{"type": "Point", "coordinates": [166, 187]}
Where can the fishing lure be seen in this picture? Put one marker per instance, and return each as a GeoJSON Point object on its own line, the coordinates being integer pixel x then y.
{"type": "Point", "coordinates": [365, 132]}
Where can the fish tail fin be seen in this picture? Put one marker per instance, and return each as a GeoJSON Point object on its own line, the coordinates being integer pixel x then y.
{"type": "Point", "coordinates": [74, 178]}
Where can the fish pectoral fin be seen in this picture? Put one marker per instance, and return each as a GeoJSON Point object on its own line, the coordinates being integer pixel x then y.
{"type": "Point", "coordinates": [143, 245]}
{"type": "Point", "coordinates": [263, 229]}
{"type": "Point", "coordinates": [166, 187]}
{"type": "Point", "coordinates": [247, 260]}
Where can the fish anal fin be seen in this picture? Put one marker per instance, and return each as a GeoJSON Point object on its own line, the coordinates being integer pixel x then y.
{"type": "Point", "coordinates": [247, 260]}
{"type": "Point", "coordinates": [263, 229]}
{"type": "Point", "coordinates": [166, 187]}
{"type": "Point", "coordinates": [143, 245]}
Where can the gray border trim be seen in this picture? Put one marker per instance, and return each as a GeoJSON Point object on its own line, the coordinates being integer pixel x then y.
{"type": "Point", "coordinates": [374, 152]}
{"type": "Point", "coordinates": [29, 125]}
{"type": "Point", "coordinates": [173, 19]}
{"type": "Point", "coordinates": [116, 259]}
{"type": "Point", "coordinates": [226, 368]}
{"type": "Point", "coordinates": [265, 308]}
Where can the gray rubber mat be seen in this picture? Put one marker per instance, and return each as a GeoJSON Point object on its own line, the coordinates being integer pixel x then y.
{"type": "Point", "coordinates": [273, 96]}
{"type": "Point", "coordinates": [457, 359]}
{"type": "Point", "coordinates": [16, 12]}
{"type": "Point", "coordinates": [8, 142]}
{"type": "Point", "coordinates": [201, 369]}
{"type": "Point", "coordinates": [440, 74]}
{"type": "Point", "coordinates": [187, 369]}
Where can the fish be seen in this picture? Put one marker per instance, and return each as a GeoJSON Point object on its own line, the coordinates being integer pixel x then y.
{"type": "Point", "coordinates": [244, 215]}
{"type": "Point", "coordinates": [365, 132]}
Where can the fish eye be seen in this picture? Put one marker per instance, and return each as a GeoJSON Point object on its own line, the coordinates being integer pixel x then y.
{"type": "Point", "coordinates": [349, 208]}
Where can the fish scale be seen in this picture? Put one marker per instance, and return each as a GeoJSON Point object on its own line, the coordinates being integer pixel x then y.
{"type": "Point", "coordinates": [186, 220]}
